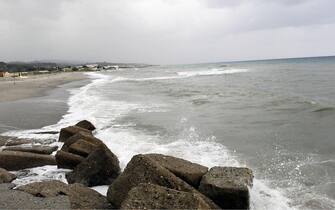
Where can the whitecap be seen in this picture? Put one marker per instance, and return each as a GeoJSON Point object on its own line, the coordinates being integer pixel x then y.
{"type": "Point", "coordinates": [85, 103]}
{"type": "Point", "coordinates": [211, 72]}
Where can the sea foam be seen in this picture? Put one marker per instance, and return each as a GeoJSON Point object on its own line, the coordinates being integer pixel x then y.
{"type": "Point", "coordinates": [88, 103]}
{"type": "Point", "coordinates": [211, 72]}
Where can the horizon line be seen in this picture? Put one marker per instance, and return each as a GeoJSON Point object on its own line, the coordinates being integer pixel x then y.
{"type": "Point", "coordinates": [210, 62]}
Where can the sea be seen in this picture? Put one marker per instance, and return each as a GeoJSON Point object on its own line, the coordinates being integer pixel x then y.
{"type": "Point", "coordinates": [276, 117]}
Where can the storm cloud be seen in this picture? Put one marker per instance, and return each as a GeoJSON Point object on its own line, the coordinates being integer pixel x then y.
{"type": "Point", "coordinates": [165, 31]}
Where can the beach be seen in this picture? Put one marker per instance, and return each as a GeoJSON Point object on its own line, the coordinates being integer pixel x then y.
{"type": "Point", "coordinates": [221, 114]}
{"type": "Point", "coordinates": [38, 163]}
{"type": "Point", "coordinates": [34, 86]}
{"type": "Point", "coordinates": [36, 101]}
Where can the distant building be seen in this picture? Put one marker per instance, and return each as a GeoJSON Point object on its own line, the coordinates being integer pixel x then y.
{"type": "Point", "coordinates": [4, 74]}
{"type": "Point", "coordinates": [110, 67]}
{"type": "Point", "coordinates": [67, 69]}
{"type": "Point", "coordinates": [23, 74]}
{"type": "Point", "coordinates": [43, 72]}
{"type": "Point", "coordinates": [92, 66]}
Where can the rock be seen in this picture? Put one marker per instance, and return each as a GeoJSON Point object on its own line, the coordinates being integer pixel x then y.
{"type": "Point", "coordinates": [7, 186]}
{"type": "Point", "coordinates": [81, 136]}
{"type": "Point", "coordinates": [149, 196]}
{"type": "Point", "coordinates": [82, 147]}
{"type": "Point", "coordinates": [67, 160]}
{"type": "Point", "coordinates": [186, 170]}
{"type": "Point", "coordinates": [67, 132]}
{"type": "Point", "coordinates": [80, 197]}
{"type": "Point", "coordinates": [228, 186]}
{"type": "Point", "coordinates": [12, 141]}
{"type": "Point", "coordinates": [86, 124]}
{"type": "Point", "coordinates": [12, 160]}
{"type": "Point", "coordinates": [142, 169]}
{"type": "Point", "coordinates": [33, 149]}
{"type": "Point", "coordinates": [6, 177]}
{"type": "Point", "coordinates": [101, 167]}
{"type": "Point", "coordinates": [14, 199]}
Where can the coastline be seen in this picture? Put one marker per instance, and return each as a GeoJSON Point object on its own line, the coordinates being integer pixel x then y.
{"type": "Point", "coordinates": [91, 177]}
{"type": "Point", "coordinates": [35, 86]}
{"type": "Point", "coordinates": [41, 100]}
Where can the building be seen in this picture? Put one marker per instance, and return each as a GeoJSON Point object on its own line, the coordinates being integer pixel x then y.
{"type": "Point", "coordinates": [4, 74]}
{"type": "Point", "coordinates": [44, 72]}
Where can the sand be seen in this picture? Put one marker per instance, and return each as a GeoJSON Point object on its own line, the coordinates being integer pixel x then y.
{"type": "Point", "coordinates": [34, 86]}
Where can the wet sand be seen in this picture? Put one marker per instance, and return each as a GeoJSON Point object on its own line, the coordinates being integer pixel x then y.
{"type": "Point", "coordinates": [34, 86]}
{"type": "Point", "coordinates": [36, 101]}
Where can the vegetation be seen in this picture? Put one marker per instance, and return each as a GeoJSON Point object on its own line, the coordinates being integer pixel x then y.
{"type": "Point", "coordinates": [26, 67]}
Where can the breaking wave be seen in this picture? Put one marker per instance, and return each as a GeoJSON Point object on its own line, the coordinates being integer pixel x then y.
{"type": "Point", "coordinates": [211, 72]}
{"type": "Point", "coordinates": [183, 75]}
{"type": "Point", "coordinates": [89, 102]}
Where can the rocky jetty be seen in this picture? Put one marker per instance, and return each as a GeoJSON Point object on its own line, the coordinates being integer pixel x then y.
{"type": "Point", "coordinates": [80, 197]}
{"type": "Point", "coordinates": [14, 160]}
{"type": "Point", "coordinates": [92, 161]}
{"type": "Point", "coordinates": [149, 181]}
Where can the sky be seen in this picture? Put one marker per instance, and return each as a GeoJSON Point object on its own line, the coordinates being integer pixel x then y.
{"type": "Point", "coordinates": [165, 31]}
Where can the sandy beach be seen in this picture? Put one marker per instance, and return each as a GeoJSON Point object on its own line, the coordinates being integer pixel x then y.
{"type": "Point", "coordinates": [34, 86]}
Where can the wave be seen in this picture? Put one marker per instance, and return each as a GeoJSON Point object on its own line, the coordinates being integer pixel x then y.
{"type": "Point", "coordinates": [183, 75]}
{"type": "Point", "coordinates": [89, 103]}
{"type": "Point", "coordinates": [325, 109]}
{"type": "Point", "coordinates": [37, 174]}
{"type": "Point", "coordinates": [211, 72]}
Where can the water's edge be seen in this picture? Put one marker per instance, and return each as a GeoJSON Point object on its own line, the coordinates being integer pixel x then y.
{"type": "Point", "coordinates": [262, 197]}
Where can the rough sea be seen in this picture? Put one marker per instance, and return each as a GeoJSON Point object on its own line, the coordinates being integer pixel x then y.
{"type": "Point", "coordinates": [276, 117]}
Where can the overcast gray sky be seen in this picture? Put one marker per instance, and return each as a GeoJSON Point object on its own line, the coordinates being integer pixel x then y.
{"type": "Point", "coordinates": [165, 31]}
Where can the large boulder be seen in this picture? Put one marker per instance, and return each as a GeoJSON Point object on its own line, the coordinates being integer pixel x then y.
{"type": "Point", "coordinates": [80, 197]}
{"type": "Point", "coordinates": [101, 167]}
{"type": "Point", "coordinates": [46, 150]}
{"type": "Point", "coordinates": [82, 147]}
{"type": "Point", "coordinates": [93, 163]}
{"type": "Point", "coordinates": [6, 177]}
{"type": "Point", "coordinates": [142, 169]}
{"type": "Point", "coordinates": [228, 186]}
{"type": "Point", "coordinates": [186, 170]}
{"type": "Point", "coordinates": [67, 132]}
{"type": "Point", "coordinates": [13, 160]}
{"type": "Point", "coordinates": [81, 136]}
{"type": "Point", "coordinates": [68, 160]}
{"type": "Point", "coordinates": [86, 124]}
{"type": "Point", "coordinates": [149, 196]}
{"type": "Point", "coordinates": [15, 199]}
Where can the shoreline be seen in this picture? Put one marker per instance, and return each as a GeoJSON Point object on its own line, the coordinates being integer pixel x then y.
{"type": "Point", "coordinates": [41, 101]}
{"type": "Point", "coordinates": [87, 170]}
{"type": "Point", "coordinates": [35, 86]}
